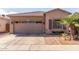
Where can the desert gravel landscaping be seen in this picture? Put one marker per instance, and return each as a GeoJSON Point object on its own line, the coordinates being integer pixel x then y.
{"type": "Point", "coordinates": [11, 42]}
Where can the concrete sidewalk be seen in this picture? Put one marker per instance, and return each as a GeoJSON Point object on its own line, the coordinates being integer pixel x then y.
{"type": "Point", "coordinates": [41, 48]}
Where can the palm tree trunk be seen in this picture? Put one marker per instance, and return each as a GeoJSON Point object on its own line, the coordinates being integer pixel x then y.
{"type": "Point", "coordinates": [72, 32]}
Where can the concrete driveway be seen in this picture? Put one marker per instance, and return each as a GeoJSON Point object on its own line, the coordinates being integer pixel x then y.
{"type": "Point", "coordinates": [34, 43]}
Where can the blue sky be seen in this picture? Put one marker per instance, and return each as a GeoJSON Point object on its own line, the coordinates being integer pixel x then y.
{"type": "Point", "coordinates": [20, 10]}
{"type": "Point", "coordinates": [39, 9]}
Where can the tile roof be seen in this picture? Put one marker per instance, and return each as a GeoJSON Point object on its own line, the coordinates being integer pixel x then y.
{"type": "Point", "coordinates": [37, 13]}
{"type": "Point", "coordinates": [60, 10]}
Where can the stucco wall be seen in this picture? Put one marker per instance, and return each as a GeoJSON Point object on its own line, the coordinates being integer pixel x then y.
{"type": "Point", "coordinates": [14, 18]}
{"type": "Point", "coordinates": [3, 25]}
{"type": "Point", "coordinates": [57, 14]}
{"type": "Point", "coordinates": [11, 28]}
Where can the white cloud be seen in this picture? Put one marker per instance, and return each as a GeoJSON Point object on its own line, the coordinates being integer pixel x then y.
{"type": "Point", "coordinates": [4, 11]}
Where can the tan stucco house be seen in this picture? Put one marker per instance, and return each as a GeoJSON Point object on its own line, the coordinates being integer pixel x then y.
{"type": "Point", "coordinates": [38, 22]}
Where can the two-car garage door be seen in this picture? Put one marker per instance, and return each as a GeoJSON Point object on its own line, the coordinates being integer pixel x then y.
{"type": "Point", "coordinates": [29, 27]}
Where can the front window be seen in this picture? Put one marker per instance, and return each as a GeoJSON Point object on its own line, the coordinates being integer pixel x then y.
{"type": "Point", "coordinates": [56, 25]}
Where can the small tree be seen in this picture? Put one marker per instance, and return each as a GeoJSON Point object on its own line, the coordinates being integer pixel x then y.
{"type": "Point", "coordinates": [70, 21]}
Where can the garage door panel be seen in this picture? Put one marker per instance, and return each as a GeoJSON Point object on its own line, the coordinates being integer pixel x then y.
{"type": "Point", "coordinates": [29, 28]}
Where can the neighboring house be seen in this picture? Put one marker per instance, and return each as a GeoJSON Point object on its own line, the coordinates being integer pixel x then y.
{"type": "Point", "coordinates": [38, 22]}
{"type": "Point", "coordinates": [4, 24]}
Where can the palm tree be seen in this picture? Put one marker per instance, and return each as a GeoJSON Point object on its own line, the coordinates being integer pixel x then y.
{"type": "Point", "coordinates": [77, 24]}
{"type": "Point", "coordinates": [76, 14]}
{"type": "Point", "coordinates": [70, 21]}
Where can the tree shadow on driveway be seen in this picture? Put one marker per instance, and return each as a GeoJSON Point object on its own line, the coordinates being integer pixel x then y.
{"type": "Point", "coordinates": [36, 35]}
